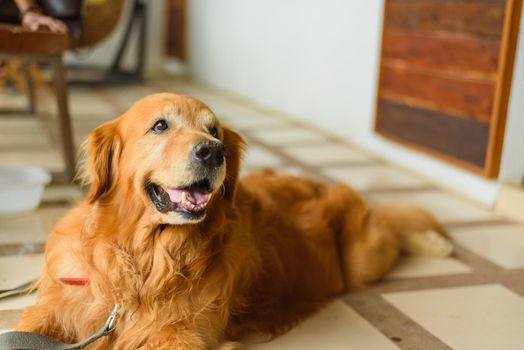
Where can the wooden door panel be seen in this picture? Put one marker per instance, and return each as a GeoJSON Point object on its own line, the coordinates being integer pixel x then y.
{"type": "Point", "coordinates": [450, 135]}
{"type": "Point", "coordinates": [443, 52]}
{"type": "Point", "coordinates": [470, 98]}
{"type": "Point", "coordinates": [475, 17]}
{"type": "Point", "coordinates": [176, 28]}
{"type": "Point", "coordinates": [445, 78]}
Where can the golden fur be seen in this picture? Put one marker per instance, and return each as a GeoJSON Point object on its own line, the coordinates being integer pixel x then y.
{"type": "Point", "coordinates": [270, 250]}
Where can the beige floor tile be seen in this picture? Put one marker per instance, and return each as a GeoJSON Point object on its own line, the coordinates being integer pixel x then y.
{"type": "Point", "coordinates": [241, 123]}
{"type": "Point", "coordinates": [15, 125]}
{"type": "Point", "coordinates": [13, 99]}
{"type": "Point", "coordinates": [481, 317]}
{"type": "Point", "coordinates": [68, 193]}
{"type": "Point", "coordinates": [231, 109]}
{"type": "Point", "coordinates": [199, 91]}
{"type": "Point", "coordinates": [325, 154]}
{"type": "Point", "coordinates": [9, 319]}
{"type": "Point", "coordinates": [51, 214]}
{"type": "Point", "coordinates": [258, 157]}
{"type": "Point", "coordinates": [294, 170]}
{"type": "Point", "coordinates": [26, 228]}
{"type": "Point", "coordinates": [30, 227]}
{"type": "Point", "coordinates": [16, 303]}
{"type": "Point", "coordinates": [47, 158]}
{"type": "Point", "coordinates": [333, 328]}
{"type": "Point", "coordinates": [376, 177]}
{"type": "Point", "coordinates": [415, 266]}
{"type": "Point", "coordinates": [445, 206]}
{"type": "Point", "coordinates": [18, 269]}
{"type": "Point", "coordinates": [86, 104]}
{"type": "Point", "coordinates": [503, 245]}
{"type": "Point", "coordinates": [510, 202]}
{"type": "Point", "coordinates": [282, 170]}
{"type": "Point", "coordinates": [218, 104]}
{"type": "Point", "coordinates": [288, 136]}
{"type": "Point", "coordinates": [87, 125]}
{"type": "Point", "coordinates": [234, 110]}
{"type": "Point", "coordinates": [121, 100]}
{"type": "Point", "coordinates": [23, 140]}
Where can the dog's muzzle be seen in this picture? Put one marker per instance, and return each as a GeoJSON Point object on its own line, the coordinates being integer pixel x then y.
{"type": "Point", "coordinates": [191, 201]}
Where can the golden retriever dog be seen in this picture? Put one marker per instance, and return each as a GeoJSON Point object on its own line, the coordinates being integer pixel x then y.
{"type": "Point", "coordinates": [197, 258]}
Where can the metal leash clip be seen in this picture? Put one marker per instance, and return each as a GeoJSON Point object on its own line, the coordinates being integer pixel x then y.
{"type": "Point", "coordinates": [106, 329]}
{"type": "Point", "coordinates": [111, 320]}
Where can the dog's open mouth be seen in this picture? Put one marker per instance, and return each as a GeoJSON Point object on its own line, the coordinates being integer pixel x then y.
{"type": "Point", "coordinates": [191, 200]}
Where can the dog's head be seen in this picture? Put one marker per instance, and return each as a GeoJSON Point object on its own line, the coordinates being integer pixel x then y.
{"type": "Point", "coordinates": [168, 151]}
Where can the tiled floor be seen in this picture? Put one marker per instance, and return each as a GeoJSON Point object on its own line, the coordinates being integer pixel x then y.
{"type": "Point", "coordinates": [473, 300]}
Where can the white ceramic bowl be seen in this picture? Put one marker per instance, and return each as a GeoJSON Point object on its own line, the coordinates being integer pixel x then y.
{"type": "Point", "coordinates": [21, 188]}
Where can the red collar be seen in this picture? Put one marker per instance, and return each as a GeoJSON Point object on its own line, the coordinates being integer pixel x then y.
{"type": "Point", "coordinates": [75, 281]}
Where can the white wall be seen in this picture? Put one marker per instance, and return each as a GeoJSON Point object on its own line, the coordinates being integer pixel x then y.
{"type": "Point", "coordinates": [316, 60]}
{"type": "Point", "coordinates": [512, 170]}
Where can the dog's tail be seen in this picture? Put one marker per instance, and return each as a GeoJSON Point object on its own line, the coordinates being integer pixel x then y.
{"type": "Point", "coordinates": [420, 233]}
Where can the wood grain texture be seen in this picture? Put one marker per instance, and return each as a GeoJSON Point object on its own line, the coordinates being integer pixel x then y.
{"type": "Point", "coordinates": [466, 55]}
{"type": "Point", "coordinates": [459, 138]}
{"type": "Point", "coordinates": [464, 97]}
{"type": "Point", "coordinates": [18, 40]}
{"type": "Point", "coordinates": [426, 37]}
{"type": "Point", "coordinates": [176, 13]}
{"type": "Point", "coordinates": [476, 17]}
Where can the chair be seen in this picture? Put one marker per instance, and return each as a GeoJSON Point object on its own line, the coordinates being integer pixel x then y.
{"type": "Point", "coordinates": [17, 43]}
{"type": "Point", "coordinates": [89, 22]}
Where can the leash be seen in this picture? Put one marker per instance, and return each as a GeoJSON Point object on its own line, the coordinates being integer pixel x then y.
{"type": "Point", "coordinates": [33, 341]}
{"type": "Point", "coordinates": [21, 289]}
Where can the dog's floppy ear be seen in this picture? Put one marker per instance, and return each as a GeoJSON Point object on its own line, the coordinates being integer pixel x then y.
{"type": "Point", "coordinates": [100, 152]}
{"type": "Point", "coordinates": [235, 145]}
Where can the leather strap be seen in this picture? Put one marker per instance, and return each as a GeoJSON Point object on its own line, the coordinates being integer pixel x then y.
{"type": "Point", "coordinates": [21, 289]}
{"type": "Point", "coordinates": [34, 341]}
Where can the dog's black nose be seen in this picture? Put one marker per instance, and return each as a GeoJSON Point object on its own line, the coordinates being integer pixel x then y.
{"type": "Point", "coordinates": [209, 153]}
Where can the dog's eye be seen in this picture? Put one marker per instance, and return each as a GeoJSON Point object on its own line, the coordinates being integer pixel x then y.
{"type": "Point", "coordinates": [160, 126]}
{"type": "Point", "coordinates": [214, 132]}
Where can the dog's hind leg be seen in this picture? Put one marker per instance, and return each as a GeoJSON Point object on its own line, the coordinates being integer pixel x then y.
{"type": "Point", "coordinates": [369, 254]}
{"type": "Point", "coordinates": [420, 233]}
{"type": "Point", "coordinates": [370, 250]}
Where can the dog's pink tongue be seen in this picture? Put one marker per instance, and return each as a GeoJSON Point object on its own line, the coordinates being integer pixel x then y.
{"type": "Point", "coordinates": [198, 197]}
{"type": "Point", "coordinates": [175, 195]}
{"type": "Point", "coordinates": [195, 197]}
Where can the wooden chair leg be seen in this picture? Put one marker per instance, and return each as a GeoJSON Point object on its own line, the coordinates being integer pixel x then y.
{"type": "Point", "coordinates": [64, 120]}
{"type": "Point", "coordinates": [26, 68]}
